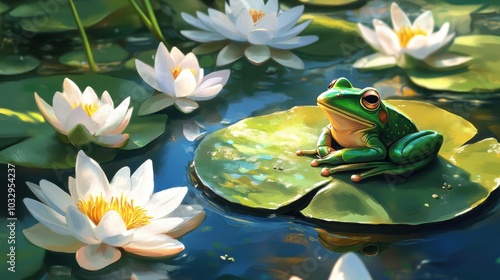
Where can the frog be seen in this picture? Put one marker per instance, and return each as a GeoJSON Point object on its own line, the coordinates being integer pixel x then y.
{"type": "Point", "coordinates": [368, 136]}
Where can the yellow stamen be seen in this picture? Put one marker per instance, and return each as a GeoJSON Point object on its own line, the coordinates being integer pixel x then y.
{"type": "Point", "coordinates": [96, 207]}
{"type": "Point", "coordinates": [406, 33]}
{"type": "Point", "coordinates": [256, 15]}
{"type": "Point", "coordinates": [177, 70]}
{"type": "Point", "coordinates": [90, 108]}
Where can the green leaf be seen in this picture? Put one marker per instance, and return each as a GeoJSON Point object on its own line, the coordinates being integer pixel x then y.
{"type": "Point", "coordinates": [113, 54]}
{"type": "Point", "coordinates": [332, 3]}
{"type": "Point", "coordinates": [253, 163]}
{"type": "Point", "coordinates": [80, 136]}
{"type": "Point", "coordinates": [482, 74]}
{"type": "Point", "coordinates": [17, 64]}
{"type": "Point", "coordinates": [337, 37]}
{"type": "Point", "coordinates": [51, 16]}
{"type": "Point", "coordinates": [27, 140]}
{"type": "Point", "coordinates": [146, 57]}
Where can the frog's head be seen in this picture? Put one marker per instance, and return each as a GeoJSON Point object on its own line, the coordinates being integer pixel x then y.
{"type": "Point", "coordinates": [352, 109]}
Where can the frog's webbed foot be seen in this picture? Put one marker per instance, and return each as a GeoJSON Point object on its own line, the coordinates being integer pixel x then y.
{"type": "Point", "coordinates": [320, 151]}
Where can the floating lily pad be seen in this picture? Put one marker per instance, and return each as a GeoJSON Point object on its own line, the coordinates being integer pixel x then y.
{"type": "Point", "coordinates": [253, 163]}
{"type": "Point", "coordinates": [146, 57]}
{"type": "Point", "coordinates": [27, 140]}
{"type": "Point", "coordinates": [50, 17]}
{"type": "Point", "coordinates": [331, 3]}
{"type": "Point", "coordinates": [18, 64]}
{"type": "Point", "coordinates": [337, 37]}
{"type": "Point", "coordinates": [482, 74]}
{"type": "Point", "coordinates": [113, 54]}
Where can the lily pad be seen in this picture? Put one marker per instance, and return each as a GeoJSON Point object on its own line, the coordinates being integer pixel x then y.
{"type": "Point", "coordinates": [27, 140]}
{"type": "Point", "coordinates": [253, 164]}
{"type": "Point", "coordinates": [482, 74]}
{"type": "Point", "coordinates": [18, 64]}
{"type": "Point", "coordinates": [3, 8]}
{"type": "Point", "coordinates": [48, 17]}
{"type": "Point", "coordinates": [113, 54]}
{"type": "Point", "coordinates": [331, 3]}
{"type": "Point", "coordinates": [337, 37]}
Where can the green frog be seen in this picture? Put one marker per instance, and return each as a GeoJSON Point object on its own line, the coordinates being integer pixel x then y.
{"type": "Point", "coordinates": [366, 133]}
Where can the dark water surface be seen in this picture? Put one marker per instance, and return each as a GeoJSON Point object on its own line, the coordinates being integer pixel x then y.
{"type": "Point", "coordinates": [274, 247]}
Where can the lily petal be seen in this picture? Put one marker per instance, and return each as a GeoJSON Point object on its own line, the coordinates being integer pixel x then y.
{"type": "Point", "coordinates": [79, 116]}
{"type": "Point", "coordinates": [225, 27]}
{"type": "Point", "coordinates": [121, 184]}
{"type": "Point", "coordinates": [90, 179]}
{"type": "Point", "coordinates": [116, 118]}
{"type": "Point", "coordinates": [61, 107]}
{"type": "Point", "coordinates": [193, 216]}
{"type": "Point", "coordinates": [424, 22]}
{"type": "Point", "coordinates": [230, 53]}
{"type": "Point", "coordinates": [185, 105]}
{"type": "Point", "coordinates": [194, 21]}
{"type": "Point", "coordinates": [163, 65]}
{"type": "Point", "coordinates": [47, 216]}
{"type": "Point", "coordinates": [388, 40]}
{"type": "Point", "coordinates": [184, 84]}
{"type": "Point", "coordinates": [123, 125]}
{"type": "Point", "coordinates": [164, 202]}
{"type": "Point", "coordinates": [47, 239]}
{"type": "Point", "coordinates": [49, 114]}
{"type": "Point", "coordinates": [295, 42]}
{"type": "Point", "coordinates": [72, 92]}
{"type": "Point", "coordinates": [287, 58]}
{"type": "Point", "coordinates": [102, 114]}
{"type": "Point", "coordinates": [370, 37]}
{"type": "Point", "coordinates": [147, 73]}
{"type": "Point", "coordinates": [289, 18]}
{"type": "Point", "coordinates": [156, 103]}
{"type": "Point", "coordinates": [37, 191]}
{"type": "Point", "coordinates": [72, 189]}
{"type": "Point", "coordinates": [80, 226]}
{"type": "Point", "coordinates": [258, 54]}
{"type": "Point", "coordinates": [112, 141]}
{"type": "Point", "coordinates": [177, 56]}
{"type": "Point", "coordinates": [244, 23]}
{"type": "Point", "coordinates": [447, 61]}
{"type": "Point", "coordinates": [350, 266]}
{"type": "Point", "coordinates": [96, 257]}
{"type": "Point", "coordinates": [398, 17]}
{"type": "Point", "coordinates": [89, 96]}
{"type": "Point", "coordinates": [202, 36]}
{"type": "Point", "coordinates": [57, 199]}
{"type": "Point", "coordinates": [106, 99]}
{"type": "Point", "coordinates": [142, 183]}
{"type": "Point", "coordinates": [375, 61]}
{"type": "Point", "coordinates": [260, 36]}
{"type": "Point", "coordinates": [157, 226]}
{"type": "Point", "coordinates": [155, 246]}
{"type": "Point", "coordinates": [190, 62]}
{"type": "Point", "coordinates": [112, 230]}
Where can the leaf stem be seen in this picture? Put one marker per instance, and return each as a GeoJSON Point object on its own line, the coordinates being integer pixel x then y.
{"type": "Point", "coordinates": [155, 27]}
{"type": "Point", "coordinates": [141, 14]}
{"type": "Point", "coordinates": [86, 44]}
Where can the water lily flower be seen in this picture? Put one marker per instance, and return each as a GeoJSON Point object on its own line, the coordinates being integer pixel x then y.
{"type": "Point", "coordinates": [407, 43]}
{"type": "Point", "coordinates": [98, 217]}
{"type": "Point", "coordinates": [251, 28]}
{"type": "Point", "coordinates": [85, 118]}
{"type": "Point", "coordinates": [180, 81]}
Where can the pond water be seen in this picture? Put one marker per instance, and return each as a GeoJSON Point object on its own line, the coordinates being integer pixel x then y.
{"type": "Point", "coordinates": [233, 243]}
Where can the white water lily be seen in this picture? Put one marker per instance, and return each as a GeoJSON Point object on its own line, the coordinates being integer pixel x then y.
{"type": "Point", "coordinates": [99, 217]}
{"type": "Point", "coordinates": [83, 117]}
{"type": "Point", "coordinates": [407, 42]}
{"type": "Point", "coordinates": [257, 30]}
{"type": "Point", "coordinates": [180, 81]}
{"type": "Point", "coordinates": [348, 266]}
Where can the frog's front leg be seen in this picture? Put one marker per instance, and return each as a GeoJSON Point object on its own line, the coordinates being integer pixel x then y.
{"type": "Point", "coordinates": [323, 146]}
{"type": "Point", "coordinates": [374, 150]}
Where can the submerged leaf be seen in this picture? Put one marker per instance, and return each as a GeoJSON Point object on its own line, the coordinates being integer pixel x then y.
{"type": "Point", "coordinates": [17, 64]}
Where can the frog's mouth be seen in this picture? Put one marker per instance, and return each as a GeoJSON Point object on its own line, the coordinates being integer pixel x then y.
{"type": "Point", "coordinates": [344, 121]}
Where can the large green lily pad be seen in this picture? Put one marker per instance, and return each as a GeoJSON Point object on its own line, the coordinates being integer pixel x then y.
{"type": "Point", "coordinates": [27, 140]}
{"type": "Point", "coordinates": [253, 163]}
{"type": "Point", "coordinates": [482, 74]}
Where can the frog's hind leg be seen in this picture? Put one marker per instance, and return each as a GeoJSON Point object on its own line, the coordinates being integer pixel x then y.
{"type": "Point", "coordinates": [391, 169]}
{"type": "Point", "coordinates": [376, 167]}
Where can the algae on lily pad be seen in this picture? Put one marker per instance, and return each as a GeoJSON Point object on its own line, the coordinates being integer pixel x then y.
{"type": "Point", "coordinates": [27, 140]}
{"type": "Point", "coordinates": [253, 163]}
{"type": "Point", "coordinates": [481, 75]}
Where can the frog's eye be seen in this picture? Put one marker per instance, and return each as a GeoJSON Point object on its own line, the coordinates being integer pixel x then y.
{"type": "Point", "coordinates": [370, 99]}
{"type": "Point", "coordinates": [332, 84]}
